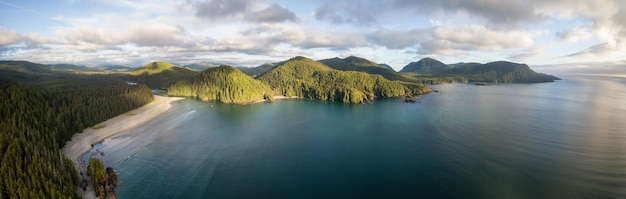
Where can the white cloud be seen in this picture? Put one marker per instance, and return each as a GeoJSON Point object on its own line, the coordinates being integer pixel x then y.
{"type": "Point", "coordinates": [356, 12]}
{"type": "Point", "coordinates": [603, 51]}
{"type": "Point", "coordinates": [8, 36]}
{"type": "Point", "coordinates": [138, 34]}
{"type": "Point", "coordinates": [575, 35]}
{"type": "Point", "coordinates": [399, 39]}
{"type": "Point", "coordinates": [272, 14]}
{"type": "Point", "coordinates": [475, 37]}
{"type": "Point", "coordinates": [528, 54]}
{"type": "Point", "coordinates": [452, 39]}
{"type": "Point", "coordinates": [214, 9]}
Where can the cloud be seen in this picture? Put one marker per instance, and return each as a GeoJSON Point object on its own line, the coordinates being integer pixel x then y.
{"type": "Point", "coordinates": [155, 35]}
{"type": "Point", "coordinates": [451, 39]}
{"type": "Point", "coordinates": [475, 37]}
{"type": "Point", "coordinates": [505, 13]}
{"type": "Point", "coordinates": [574, 35]}
{"type": "Point", "coordinates": [273, 14]}
{"type": "Point", "coordinates": [138, 34]}
{"type": "Point", "coordinates": [528, 54]}
{"type": "Point", "coordinates": [11, 41]}
{"type": "Point", "coordinates": [268, 36]}
{"type": "Point", "coordinates": [214, 9]}
{"type": "Point", "coordinates": [333, 40]}
{"type": "Point", "coordinates": [603, 50]}
{"type": "Point", "coordinates": [349, 12]}
{"type": "Point", "coordinates": [399, 39]}
{"type": "Point", "coordinates": [8, 37]}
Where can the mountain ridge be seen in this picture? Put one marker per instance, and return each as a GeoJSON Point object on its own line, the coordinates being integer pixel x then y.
{"type": "Point", "coordinates": [492, 72]}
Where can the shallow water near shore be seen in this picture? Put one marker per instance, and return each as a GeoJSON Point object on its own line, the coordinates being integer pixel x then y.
{"type": "Point", "coordinates": [552, 140]}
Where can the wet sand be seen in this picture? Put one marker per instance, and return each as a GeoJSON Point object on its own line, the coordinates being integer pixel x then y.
{"type": "Point", "coordinates": [82, 143]}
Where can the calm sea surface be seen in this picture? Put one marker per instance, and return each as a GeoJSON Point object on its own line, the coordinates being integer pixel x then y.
{"type": "Point", "coordinates": [552, 140]}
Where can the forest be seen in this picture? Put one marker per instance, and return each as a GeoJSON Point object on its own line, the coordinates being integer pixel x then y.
{"type": "Point", "coordinates": [225, 84]}
{"type": "Point", "coordinates": [36, 120]}
{"type": "Point", "coordinates": [307, 78]}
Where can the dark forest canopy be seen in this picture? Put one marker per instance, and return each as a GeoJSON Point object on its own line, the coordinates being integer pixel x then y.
{"type": "Point", "coordinates": [307, 78]}
{"type": "Point", "coordinates": [353, 63]}
{"type": "Point", "coordinates": [225, 84]}
{"type": "Point", "coordinates": [161, 74]}
{"type": "Point", "coordinates": [38, 118]}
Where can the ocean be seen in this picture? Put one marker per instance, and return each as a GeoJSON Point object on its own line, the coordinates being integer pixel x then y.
{"type": "Point", "coordinates": [565, 139]}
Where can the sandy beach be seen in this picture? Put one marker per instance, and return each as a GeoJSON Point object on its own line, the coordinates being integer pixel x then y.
{"type": "Point", "coordinates": [81, 143]}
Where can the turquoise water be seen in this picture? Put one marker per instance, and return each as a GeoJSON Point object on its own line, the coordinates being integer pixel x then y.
{"type": "Point", "coordinates": [553, 140]}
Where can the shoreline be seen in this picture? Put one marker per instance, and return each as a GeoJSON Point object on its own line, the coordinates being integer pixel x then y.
{"type": "Point", "coordinates": [83, 142]}
{"type": "Point", "coordinates": [276, 98]}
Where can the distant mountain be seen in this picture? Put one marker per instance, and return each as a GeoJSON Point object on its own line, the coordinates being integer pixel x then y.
{"type": "Point", "coordinates": [354, 63]}
{"type": "Point", "coordinates": [425, 65]}
{"type": "Point", "coordinates": [256, 71]}
{"type": "Point", "coordinates": [24, 67]}
{"type": "Point", "coordinates": [116, 68]}
{"type": "Point", "coordinates": [225, 84]}
{"type": "Point", "coordinates": [307, 78]}
{"type": "Point", "coordinates": [493, 72]}
{"type": "Point", "coordinates": [386, 66]}
{"type": "Point", "coordinates": [500, 72]}
{"type": "Point", "coordinates": [73, 68]}
{"type": "Point", "coordinates": [161, 74]}
{"type": "Point", "coordinates": [202, 66]}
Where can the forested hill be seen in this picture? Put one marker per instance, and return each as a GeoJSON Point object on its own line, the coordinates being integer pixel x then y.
{"type": "Point", "coordinates": [23, 67]}
{"type": "Point", "coordinates": [161, 74]}
{"type": "Point", "coordinates": [225, 84]}
{"type": "Point", "coordinates": [426, 65]}
{"type": "Point", "coordinates": [493, 72]}
{"type": "Point", "coordinates": [36, 121]}
{"type": "Point", "coordinates": [307, 78]}
{"type": "Point", "coordinates": [500, 72]}
{"type": "Point", "coordinates": [353, 63]}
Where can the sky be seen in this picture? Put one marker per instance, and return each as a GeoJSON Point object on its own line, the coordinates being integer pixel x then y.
{"type": "Point", "coordinates": [546, 34]}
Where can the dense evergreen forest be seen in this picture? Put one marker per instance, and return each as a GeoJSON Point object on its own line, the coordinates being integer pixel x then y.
{"type": "Point", "coordinates": [353, 63]}
{"type": "Point", "coordinates": [225, 84]}
{"type": "Point", "coordinates": [103, 180]}
{"type": "Point", "coordinates": [159, 74]}
{"type": "Point", "coordinates": [36, 120]}
{"type": "Point", "coordinates": [307, 78]}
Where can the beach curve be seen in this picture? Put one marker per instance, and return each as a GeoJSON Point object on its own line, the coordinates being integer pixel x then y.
{"type": "Point", "coordinates": [83, 142]}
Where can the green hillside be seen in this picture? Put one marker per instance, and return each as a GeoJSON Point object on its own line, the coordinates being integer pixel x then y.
{"type": "Point", "coordinates": [161, 74]}
{"type": "Point", "coordinates": [431, 70]}
{"type": "Point", "coordinates": [353, 63]}
{"type": "Point", "coordinates": [225, 84]}
{"type": "Point", "coordinates": [425, 66]}
{"type": "Point", "coordinates": [24, 67]}
{"type": "Point", "coordinates": [501, 72]}
{"type": "Point", "coordinates": [256, 71]}
{"type": "Point", "coordinates": [307, 78]}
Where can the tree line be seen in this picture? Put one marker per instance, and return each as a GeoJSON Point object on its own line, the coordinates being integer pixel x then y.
{"type": "Point", "coordinates": [306, 78]}
{"type": "Point", "coordinates": [36, 121]}
{"type": "Point", "coordinates": [225, 84]}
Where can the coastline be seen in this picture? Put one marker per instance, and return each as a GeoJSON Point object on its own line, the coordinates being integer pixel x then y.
{"type": "Point", "coordinates": [82, 142]}
{"type": "Point", "coordinates": [276, 98]}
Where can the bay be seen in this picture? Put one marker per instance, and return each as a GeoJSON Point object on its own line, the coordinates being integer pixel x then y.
{"type": "Point", "coordinates": [565, 139]}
